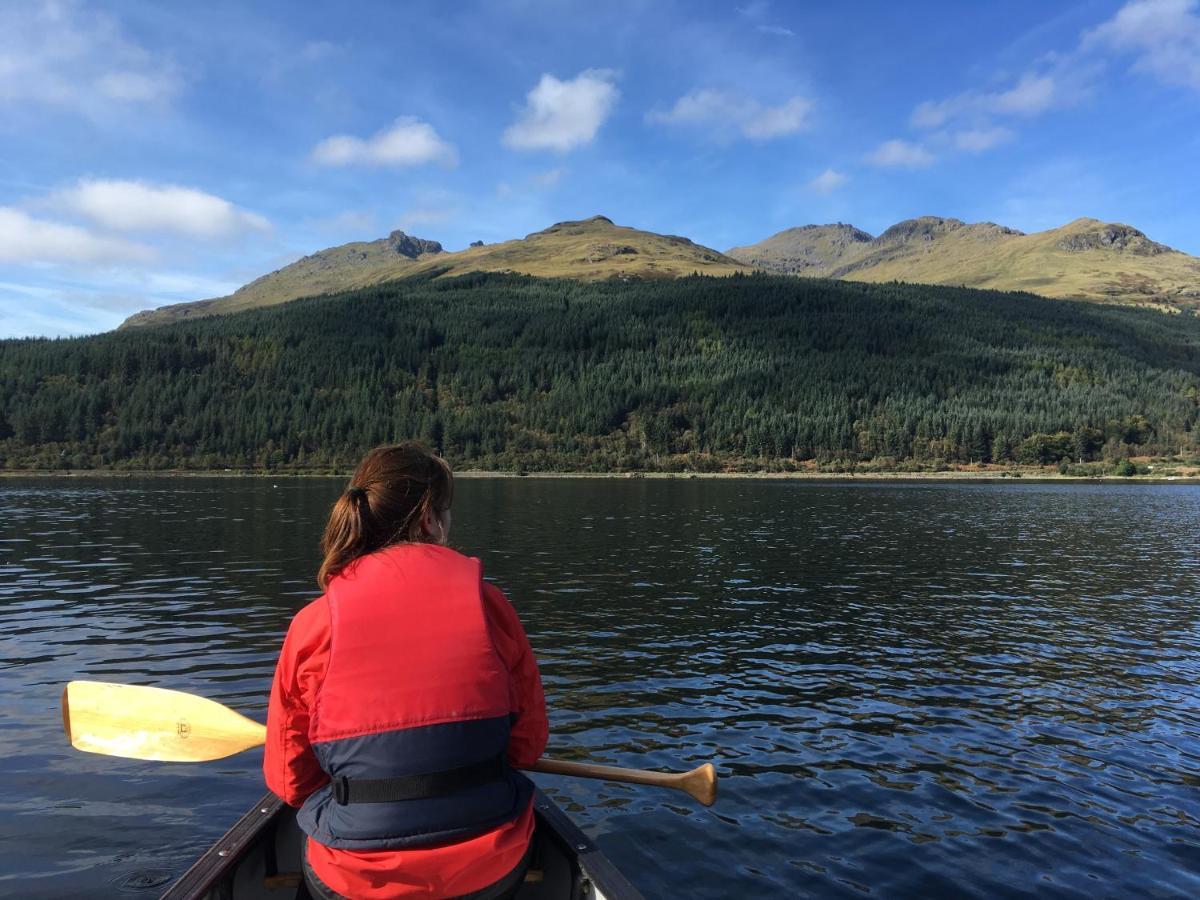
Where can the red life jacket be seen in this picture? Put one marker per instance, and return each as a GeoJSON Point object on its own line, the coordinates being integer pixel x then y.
{"type": "Point", "coordinates": [414, 691]}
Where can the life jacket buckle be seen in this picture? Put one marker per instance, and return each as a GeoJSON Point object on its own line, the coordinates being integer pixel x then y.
{"type": "Point", "coordinates": [341, 790]}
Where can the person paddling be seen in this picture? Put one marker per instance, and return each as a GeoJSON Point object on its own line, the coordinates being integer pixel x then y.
{"type": "Point", "coordinates": [404, 700]}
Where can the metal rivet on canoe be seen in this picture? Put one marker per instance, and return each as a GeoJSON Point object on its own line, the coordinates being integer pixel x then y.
{"type": "Point", "coordinates": [581, 846]}
{"type": "Point", "coordinates": [222, 853]}
{"type": "Point", "coordinates": [264, 810]}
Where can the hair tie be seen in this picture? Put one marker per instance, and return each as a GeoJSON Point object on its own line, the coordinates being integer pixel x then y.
{"type": "Point", "coordinates": [356, 492]}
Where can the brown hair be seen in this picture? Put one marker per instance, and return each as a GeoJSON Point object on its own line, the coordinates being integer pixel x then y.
{"type": "Point", "coordinates": [388, 494]}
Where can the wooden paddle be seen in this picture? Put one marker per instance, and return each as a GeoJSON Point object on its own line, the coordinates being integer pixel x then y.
{"type": "Point", "coordinates": [170, 726]}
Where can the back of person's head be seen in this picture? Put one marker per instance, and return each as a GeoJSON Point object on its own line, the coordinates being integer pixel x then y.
{"type": "Point", "coordinates": [388, 501]}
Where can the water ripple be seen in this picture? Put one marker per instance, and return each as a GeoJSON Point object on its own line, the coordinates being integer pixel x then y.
{"type": "Point", "coordinates": [910, 690]}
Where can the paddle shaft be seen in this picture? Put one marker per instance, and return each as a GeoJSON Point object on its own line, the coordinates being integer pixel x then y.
{"type": "Point", "coordinates": [700, 783]}
{"type": "Point", "coordinates": [607, 773]}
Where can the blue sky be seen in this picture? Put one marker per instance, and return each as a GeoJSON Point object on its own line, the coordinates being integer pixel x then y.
{"type": "Point", "coordinates": [155, 152]}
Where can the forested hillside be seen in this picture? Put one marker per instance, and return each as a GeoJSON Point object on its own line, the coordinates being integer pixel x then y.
{"type": "Point", "coordinates": [504, 371]}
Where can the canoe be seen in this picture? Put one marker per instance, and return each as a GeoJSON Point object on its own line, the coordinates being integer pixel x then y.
{"type": "Point", "coordinates": [259, 857]}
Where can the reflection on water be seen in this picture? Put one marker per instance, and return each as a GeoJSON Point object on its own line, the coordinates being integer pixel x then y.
{"type": "Point", "coordinates": [910, 690]}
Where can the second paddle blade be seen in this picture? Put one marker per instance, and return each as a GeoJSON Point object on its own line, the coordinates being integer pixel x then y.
{"type": "Point", "coordinates": [153, 723]}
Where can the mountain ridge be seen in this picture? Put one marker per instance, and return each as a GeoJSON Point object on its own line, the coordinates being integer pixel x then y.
{"type": "Point", "coordinates": [1085, 259]}
{"type": "Point", "coordinates": [589, 249]}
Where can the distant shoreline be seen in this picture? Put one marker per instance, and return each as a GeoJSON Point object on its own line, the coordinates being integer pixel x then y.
{"type": "Point", "coordinates": [996, 476]}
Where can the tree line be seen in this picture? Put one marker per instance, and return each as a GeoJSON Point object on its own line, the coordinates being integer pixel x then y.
{"type": "Point", "coordinates": [512, 372]}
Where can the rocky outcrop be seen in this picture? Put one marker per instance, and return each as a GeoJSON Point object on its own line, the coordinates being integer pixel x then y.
{"type": "Point", "coordinates": [601, 252]}
{"type": "Point", "coordinates": [806, 249]}
{"type": "Point", "coordinates": [412, 247]}
{"type": "Point", "coordinates": [1121, 238]}
{"type": "Point", "coordinates": [923, 228]}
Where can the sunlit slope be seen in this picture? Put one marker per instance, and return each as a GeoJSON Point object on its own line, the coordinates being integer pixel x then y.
{"type": "Point", "coordinates": [358, 264]}
{"type": "Point", "coordinates": [1085, 259]}
{"type": "Point", "coordinates": [590, 250]}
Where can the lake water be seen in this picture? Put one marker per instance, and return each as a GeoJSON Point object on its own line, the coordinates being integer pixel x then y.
{"type": "Point", "coordinates": [910, 690]}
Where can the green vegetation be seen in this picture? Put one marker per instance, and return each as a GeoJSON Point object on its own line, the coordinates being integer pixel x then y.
{"type": "Point", "coordinates": [700, 374]}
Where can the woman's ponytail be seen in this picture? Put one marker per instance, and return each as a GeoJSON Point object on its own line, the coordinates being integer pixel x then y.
{"type": "Point", "coordinates": [389, 493]}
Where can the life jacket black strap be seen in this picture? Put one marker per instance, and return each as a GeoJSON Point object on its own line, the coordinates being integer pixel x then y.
{"type": "Point", "coordinates": [418, 787]}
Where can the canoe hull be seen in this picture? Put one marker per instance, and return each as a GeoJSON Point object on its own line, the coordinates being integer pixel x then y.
{"type": "Point", "coordinates": [259, 858]}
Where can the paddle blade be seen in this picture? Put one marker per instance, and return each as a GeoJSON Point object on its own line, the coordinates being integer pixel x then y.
{"type": "Point", "coordinates": [153, 723]}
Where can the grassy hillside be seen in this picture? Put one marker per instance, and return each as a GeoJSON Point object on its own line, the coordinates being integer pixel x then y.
{"type": "Point", "coordinates": [590, 250]}
{"type": "Point", "coordinates": [1086, 259]}
{"type": "Point", "coordinates": [502, 371]}
{"type": "Point", "coordinates": [337, 269]}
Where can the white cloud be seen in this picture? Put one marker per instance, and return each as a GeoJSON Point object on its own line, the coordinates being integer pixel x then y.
{"type": "Point", "coordinates": [31, 241]}
{"type": "Point", "coordinates": [1030, 96]}
{"type": "Point", "coordinates": [563, 115]}
{"type": "Point", "coordinates": [931, 114]}
{"type": "Point", "coordinates": [1163, 35]}
{"type": "Point", "coordinates": [777, 30]}
{"type": "Point", "coordinates": [409, 142]}
{"type": "Point", "coordinates": [776, 121]}
{"type": "Point", "coordinates": [976, 140]}
{"type": "Point", "coordinates": [1033, 94]}
{"type": "Point", "coordinates": [58, 54]}
{"type": "Point", "coordinates": [547, 179]}
{"type": "Point", "coordinates": [137, 206]}
{"type": "Point", "coordinates": [827, 182]}
{"type": "Point", "coordinates": [98, 300]}
{"type": "Point", "coordinates": [723, 112]}
{"type": "Point", "coordinates": [129, 87]}
{"type": "Point", "coordinates": [901, 154]}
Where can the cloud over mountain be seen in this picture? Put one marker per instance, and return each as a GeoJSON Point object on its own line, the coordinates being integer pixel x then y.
{"type": "Point", "coordinates": [827, 182]}
{"type": "Point", "coordinates": [1163, 36]}
{"type": "Point", "coordinates": [409, 142]}
{"type": "Point", "coordinates": [562, 115]}
{"type": "Point", "coordinates": [722, 112]}
{"type": "Point", "coordinates": [901, 154]}
{"type": "Point", "coordinates": [138, 206]}
{"type": "Point", "coordinates": [26, 240]}
{"type": "Point", "coordinates": [63, 56]}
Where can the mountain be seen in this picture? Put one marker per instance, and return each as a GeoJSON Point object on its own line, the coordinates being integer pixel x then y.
{"type": "Point", "coordinates": [336, 269]}
{"type": "Point", "coordinates": [590, 250]}
{"type": "Point", "coordinates": [1086, 259]}
{"type": "Point", "coordinates": [807, 250]}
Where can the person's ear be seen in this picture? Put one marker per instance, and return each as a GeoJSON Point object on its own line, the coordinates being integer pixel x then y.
{"type": "Point", "coordinates": [431, 525]}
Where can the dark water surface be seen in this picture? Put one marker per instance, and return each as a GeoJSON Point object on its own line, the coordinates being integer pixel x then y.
{"type": "Point", "coordinates": [910, 690]}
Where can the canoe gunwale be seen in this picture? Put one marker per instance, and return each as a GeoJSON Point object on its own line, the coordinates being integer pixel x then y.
{"type": "Point", "coordinates": [223, 856]}
{"type": "Point", "coordinates": [597, 867]}
{"type": "Point", "coordinates": [219, 859]}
